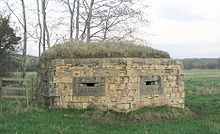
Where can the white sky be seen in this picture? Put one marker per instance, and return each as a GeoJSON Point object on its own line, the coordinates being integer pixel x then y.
{"type": "Point", "coordinates": [185, 28]}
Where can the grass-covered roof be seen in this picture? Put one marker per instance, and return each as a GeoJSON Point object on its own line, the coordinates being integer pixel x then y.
{"type": "Point", "coordinates": [101, 50]}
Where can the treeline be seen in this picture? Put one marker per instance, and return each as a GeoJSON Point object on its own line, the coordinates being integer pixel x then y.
{"type": "Point", "coordinates": [31, 63]}
{"type": "Point", "coordinates": [201, 63]}
{"type": "Point", "coordinates": [15, 65]}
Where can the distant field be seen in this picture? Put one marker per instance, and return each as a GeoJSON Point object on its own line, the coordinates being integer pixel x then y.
{"type": "Point", "coordinates": [202, 82]}
{"type": "Point", "coordinates": [195, 73]}
{"type": "Point", "coordinates": [201, 116]}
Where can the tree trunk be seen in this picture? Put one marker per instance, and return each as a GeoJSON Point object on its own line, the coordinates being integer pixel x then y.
{"type": "Point", "coordinates": [44, 24]}
{"type": "Point", "coordinates": [72, 11]}
{"type": "Point", "coordinates": [77, 21]}
{"type": "Point", "coordinates": [89, 21]}
{"type": "Point", "coordinates": [71, 26]}
{"type": "Point", "coordinates": [48, 36]}
{"type": "Point", "coordinates": [40, 28]}
{"type": "Point", "coordinates": [24, 40]}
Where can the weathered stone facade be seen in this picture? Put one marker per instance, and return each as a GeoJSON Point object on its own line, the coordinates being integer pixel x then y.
{"type": "Point", "coordinates": [121, 84]}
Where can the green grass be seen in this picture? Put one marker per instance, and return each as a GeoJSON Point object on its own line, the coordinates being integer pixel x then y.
{"type": "Point", "coordinates": [71, 121]}
{"type": "Point", "coordinates": [204, 105]}
{"type": "Point", "coordinates": [201, 116]}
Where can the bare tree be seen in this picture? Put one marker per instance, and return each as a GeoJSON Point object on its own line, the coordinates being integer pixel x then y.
{"type": "Point", "coordinates": [71, 9]}
{"type": "Point", "coordinates": [115, 19]}
{"type": "Point", "coordinates": [40, 28]}
{"type": "Point", "coordinates": [104, 19]}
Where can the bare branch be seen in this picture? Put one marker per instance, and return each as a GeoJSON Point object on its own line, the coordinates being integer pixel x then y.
{"type": "Point", "coordinates": [9, 7]}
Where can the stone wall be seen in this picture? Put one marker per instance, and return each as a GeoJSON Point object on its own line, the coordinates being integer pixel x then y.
{"type": "Point", "coordinates": [121, 84]}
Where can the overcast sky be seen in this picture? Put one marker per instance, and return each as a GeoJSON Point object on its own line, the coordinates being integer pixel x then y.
{"type": "Point", "coordinates": [185, 28]}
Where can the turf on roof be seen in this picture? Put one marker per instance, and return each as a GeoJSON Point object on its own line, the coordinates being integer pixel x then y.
{"type": "Point", "coordinates": [101, 50]}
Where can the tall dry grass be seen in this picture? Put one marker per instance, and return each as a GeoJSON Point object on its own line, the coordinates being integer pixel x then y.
{"type": "Point", "coordinates": [101, 50]}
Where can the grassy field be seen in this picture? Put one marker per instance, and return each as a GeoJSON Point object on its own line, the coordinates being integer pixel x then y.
{"type": "Point", "coordinates": [201, 116]}
{"type": "Point", "coordinates": [202, 82]}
